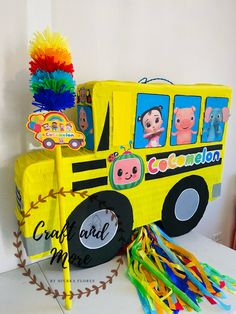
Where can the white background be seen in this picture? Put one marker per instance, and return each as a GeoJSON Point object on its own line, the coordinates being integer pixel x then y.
{"type": "Point", "coordinates": [186, 41]}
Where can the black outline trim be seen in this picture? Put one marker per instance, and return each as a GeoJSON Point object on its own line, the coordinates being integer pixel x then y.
{"type": "Point", "coordinates": [88, 184]}
{"type": "Point", "coordinates": [105, 138]}
{"type": "Point", "coordinates": [89, 165]}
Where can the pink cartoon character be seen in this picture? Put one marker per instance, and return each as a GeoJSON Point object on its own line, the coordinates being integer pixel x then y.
{"type": "Point", "coordinates": [184, 121]}
{"type": "Point", "coordinates": [151, 120]}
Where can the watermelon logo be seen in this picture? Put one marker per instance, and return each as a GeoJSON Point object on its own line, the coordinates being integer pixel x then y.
{"type": "Point", "coordinates": [127, 170]}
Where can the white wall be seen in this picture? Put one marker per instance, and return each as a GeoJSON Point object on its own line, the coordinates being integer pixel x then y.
{"type": "Point", "coordinates": [186, 41]}
{"type": "Point", "coordinates": [17, 24]}
{"type": "Point", "coordinates": [14, 99]}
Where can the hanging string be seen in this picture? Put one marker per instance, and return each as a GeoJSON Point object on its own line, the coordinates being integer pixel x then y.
{"type": "Point", "coordinates": [145, 80]}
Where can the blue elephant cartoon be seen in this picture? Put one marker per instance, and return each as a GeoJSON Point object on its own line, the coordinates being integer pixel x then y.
{"type": "Point", "coordinates": [215, 117]}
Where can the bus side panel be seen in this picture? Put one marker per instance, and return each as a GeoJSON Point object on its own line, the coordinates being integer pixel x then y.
{"type": "Point", "coordinates": [34, 182]}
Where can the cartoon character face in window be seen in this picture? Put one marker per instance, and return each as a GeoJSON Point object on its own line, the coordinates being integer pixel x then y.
{"type": "Point", "coordinates": [152, 121]}
{"type": "Point", "coordinates": [184, 118]}
{"type": "Point", "coordinates": [54, 126]}
{"type": "Point", "coordinates": [215, 118]}
{"type": "Point", "coordinates": [82, 95]}
{"type": "Point", "coordinates": [68, 127]}
{"type": "Point", "coordinates": [46, 126]}
{"type": "Point", "coordinates": [184, 121]}
{"type": "Point", "coordinates": [126, 171]}
{"type": "Point", "coordinates": [83, 121]}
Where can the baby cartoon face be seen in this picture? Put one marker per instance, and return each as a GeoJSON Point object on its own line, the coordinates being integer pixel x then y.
{"type": "Point", "coordinates": [126, 171]}
{"type": "Point", "coordinates": [184, 118]}
{"type": "Point", "coordinates": [152, 121]}
{"type": "Point", "coordinates": [46, 126]}
{"type": "Point", "coordinates": [83, 121]}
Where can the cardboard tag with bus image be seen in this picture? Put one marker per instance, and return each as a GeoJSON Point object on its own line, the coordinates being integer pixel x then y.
{"type": "Point", "coordinates": [54, 128]}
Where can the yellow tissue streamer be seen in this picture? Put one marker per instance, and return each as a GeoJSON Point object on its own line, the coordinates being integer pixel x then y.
{"type": "Point", "coordinates": [191, 257]}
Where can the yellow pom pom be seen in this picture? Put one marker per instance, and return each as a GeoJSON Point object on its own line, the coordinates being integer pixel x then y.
{"type": "Point", "coordinates": [48, 43]}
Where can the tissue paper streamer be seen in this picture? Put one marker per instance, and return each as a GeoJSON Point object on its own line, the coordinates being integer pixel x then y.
{"type": "Point", "coordinates": [168, 278]}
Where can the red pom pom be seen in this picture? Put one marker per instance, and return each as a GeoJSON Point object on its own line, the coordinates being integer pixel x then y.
{"type": "Point", "coordinates": [48, 64]}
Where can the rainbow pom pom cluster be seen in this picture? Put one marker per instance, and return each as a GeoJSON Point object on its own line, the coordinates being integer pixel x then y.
{"type": "Point", "coordinates": [51, 72]}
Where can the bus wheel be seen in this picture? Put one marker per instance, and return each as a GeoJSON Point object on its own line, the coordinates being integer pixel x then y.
{"type": "Point", "coordinates": [184, 205]}
{"type": "Point", "coordinates": [48, 143]}
{"type": "Point", "coordinates": [98, 228]}
{"type": "Point", "coordinates": [74, 144]}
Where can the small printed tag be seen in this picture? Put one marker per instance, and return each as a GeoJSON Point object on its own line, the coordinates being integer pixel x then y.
{"type": "Point", "coordinates": [54, 128]}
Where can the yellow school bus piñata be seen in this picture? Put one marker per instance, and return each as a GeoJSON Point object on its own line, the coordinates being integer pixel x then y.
{"type": "Point", "coordinates": [154, 152]}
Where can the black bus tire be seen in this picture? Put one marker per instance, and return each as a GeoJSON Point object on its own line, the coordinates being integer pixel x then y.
{"type": "Point", "coordinates": [184, 205]}
{"type": "Point", "coordinates": [117, 210]}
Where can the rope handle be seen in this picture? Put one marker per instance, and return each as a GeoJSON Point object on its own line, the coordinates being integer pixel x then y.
{"type": "Point", "coordinates": [145, 80]}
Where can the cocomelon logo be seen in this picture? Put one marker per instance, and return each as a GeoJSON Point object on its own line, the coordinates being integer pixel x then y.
{"type": "Point", "coordinates": [127, 170]}
{"type": "Point", "coordinates": [172, 161]}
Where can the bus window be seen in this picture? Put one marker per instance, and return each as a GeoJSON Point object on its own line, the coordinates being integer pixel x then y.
{"type": "Point", "coordinates": [121, 117]}
{"type": "Point", "coordinates": [151, 120]}
{"type": "Point", "coordinates": [216, 114]}
{"type": "Point", "coordinates": [185, 120]}
{"type": "Point", "coordinates": [85, 125]}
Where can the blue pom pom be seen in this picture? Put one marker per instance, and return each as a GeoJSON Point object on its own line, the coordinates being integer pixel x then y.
{"type": "Point", "coordinates": [41, 77]}
{"type": "Point", "coordinates": [53, 90]}
{"type": "Point", "coordinates": [50, 101]}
